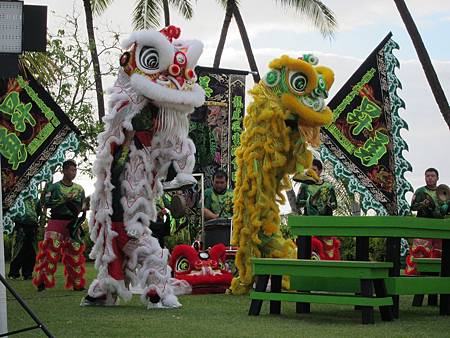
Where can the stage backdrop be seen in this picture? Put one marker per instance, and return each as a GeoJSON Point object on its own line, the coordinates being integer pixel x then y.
{"type": "Point", "coordinates": [216, 126]}
{"type": "Point", "coordinates": [364, 142]}
{"type": "Point", "coordinates": [34, 135]}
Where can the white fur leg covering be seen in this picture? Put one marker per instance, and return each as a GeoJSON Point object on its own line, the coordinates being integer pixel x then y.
{"type": "Point", "coordinates": [109, 286]}
{"type": "Point", "coordinates": [155, 275]}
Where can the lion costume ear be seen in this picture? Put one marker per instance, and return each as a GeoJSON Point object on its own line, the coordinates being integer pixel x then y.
{"type": "Point", "coordinates": [327, 74]}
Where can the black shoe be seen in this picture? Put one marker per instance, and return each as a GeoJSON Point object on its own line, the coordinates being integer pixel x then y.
{"type": "Point", "coordinates": [27, 277]}
{"type": "Point", "coordinates": [13, 277]}
{"type": "Point", "coordinates": [92, 301]}
{"type": "Point", "coordinates": [78, 288]}
{"type": "Point", "coordinates": [41, 287]}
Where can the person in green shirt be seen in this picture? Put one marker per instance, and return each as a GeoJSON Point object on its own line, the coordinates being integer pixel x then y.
{"type": "Point", "coordinates": [425, 200]}
{"type": "Point", "coordinates": [23, 252]}
{"type": "Point", "coordinates": [318, 198]}
{"type": "Point", "coordinates": [65, 199]}
{"type": "Point", "coordinates": [218, 200]}
{"type": "Point", "coordinates": [427, 204]}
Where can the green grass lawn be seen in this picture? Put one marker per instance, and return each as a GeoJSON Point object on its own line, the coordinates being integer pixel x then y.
{"type": "Point", "coordinates": [208, 316]}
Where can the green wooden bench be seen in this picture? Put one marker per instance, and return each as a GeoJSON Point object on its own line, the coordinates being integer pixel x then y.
{"type": "Point", "coordinates": [371, 276]}
{"type": "Point", "coordinates": [427, 267]}
{"type": "Point", "coordinates": [390, 227]}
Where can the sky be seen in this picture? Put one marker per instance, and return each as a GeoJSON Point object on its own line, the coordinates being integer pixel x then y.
{"type": "Point", "coordinates": [275, 30]}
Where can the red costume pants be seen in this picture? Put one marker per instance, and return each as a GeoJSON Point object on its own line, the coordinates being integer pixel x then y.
{"type": "Point", "coordinates": [116, 267]}
{"type": "Point", "coordinates": [56, 244]}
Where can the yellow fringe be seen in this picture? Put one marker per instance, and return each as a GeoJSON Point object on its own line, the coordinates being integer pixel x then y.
{"type": "Point", "coordinates": [265, 158]}
{"type": "Point", "coordinates": [269, 152]}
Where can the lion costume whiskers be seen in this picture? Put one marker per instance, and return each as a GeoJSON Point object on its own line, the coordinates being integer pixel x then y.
{"type": "Point", "coordinates": [283, 119]}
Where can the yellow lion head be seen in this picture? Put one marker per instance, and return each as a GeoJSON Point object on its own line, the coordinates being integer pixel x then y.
{"type": "Point", "coordinates": [302, 88]}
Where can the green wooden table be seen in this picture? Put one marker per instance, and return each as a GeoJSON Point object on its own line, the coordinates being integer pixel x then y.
{"type": "Point", "coordinates": [427, 267]}
{"type": "Point", "coordinates": [391, 227]}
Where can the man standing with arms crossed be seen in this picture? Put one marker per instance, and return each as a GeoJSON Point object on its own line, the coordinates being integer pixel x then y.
{"type": "Point", "coordinates": [427, 204]}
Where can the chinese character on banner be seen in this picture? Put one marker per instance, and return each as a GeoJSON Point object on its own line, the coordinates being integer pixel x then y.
{"type": "Point", "coordinates": [364, 142]}
{"type": "Point", "coordinates": [216, 126]}
{"type": "Point", "coordinates": [32, 127]}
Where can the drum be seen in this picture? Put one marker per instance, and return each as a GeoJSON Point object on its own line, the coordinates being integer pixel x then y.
{"type": "Point", "coordinates": [217, 231]}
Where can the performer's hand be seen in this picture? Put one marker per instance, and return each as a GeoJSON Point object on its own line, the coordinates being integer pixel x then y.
{"type": "Point", "coordinates": [425, 204]}
{"type": "Point", "coordinates": [129, 135]}
{"type": "Point", "coordinates": [444, 209]}
{"type": "Point", "coordinates": [133, 233]}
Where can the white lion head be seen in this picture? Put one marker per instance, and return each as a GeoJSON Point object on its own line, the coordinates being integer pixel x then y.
{"type": "Point", "coordinates": [162, 69]}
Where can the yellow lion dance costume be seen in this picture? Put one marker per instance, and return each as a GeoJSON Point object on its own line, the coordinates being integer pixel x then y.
{"type": "Point", "coordinates": [284, 118]}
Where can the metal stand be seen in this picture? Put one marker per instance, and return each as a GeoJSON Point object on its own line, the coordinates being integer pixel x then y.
{"type": "Point", "coordinates": [24, 305]}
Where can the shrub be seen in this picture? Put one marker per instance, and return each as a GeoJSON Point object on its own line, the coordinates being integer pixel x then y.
{"type": "Point", "coordinates": [377, 248]}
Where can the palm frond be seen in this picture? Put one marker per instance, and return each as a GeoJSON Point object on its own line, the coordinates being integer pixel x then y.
{"type": "Point", "coordinates": [184, 7]}
{"type": "Point", "coordinates": [147, 14]}
{"type": "Point", "coordinates": [99, 6]}
{"type": "Point", "coordinates": [321, 16]}
{"type": "Point", "coordinates": [223, 3]}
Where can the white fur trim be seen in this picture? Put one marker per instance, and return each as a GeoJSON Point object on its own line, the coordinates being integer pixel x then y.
{"type": "Point", "coordinates": [108, 286]}
{"type": "Point", "coordinates": [184, 101]}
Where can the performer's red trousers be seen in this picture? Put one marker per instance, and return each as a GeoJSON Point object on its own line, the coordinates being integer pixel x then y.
{"type": "Point", "coordinates": [115, 268]}
{"type": "Point", "coordinates": [57, 243]}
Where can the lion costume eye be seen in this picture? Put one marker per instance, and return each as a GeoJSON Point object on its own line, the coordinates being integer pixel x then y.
{"type": "Point", "coordinates": [182, 265]}
{"type": "Point", "coordinates": [272, 78]}
{"type": "Point", "coordinates": [149, 58]}
{"type": "Point", "coordinates": [298, 81]}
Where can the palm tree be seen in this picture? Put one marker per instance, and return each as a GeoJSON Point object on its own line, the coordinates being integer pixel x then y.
{"type": "Point", "coordinates": [229, 8]}
{"type": "Point", "coordinates": [166, 13]}
{"type": "Point", "coordinates": [146, 14]}
{"type": "Point", "coordinates": [321, 16]}
{"type": "Point", "coordinates": [425, 60]}
{"type": "Point", "coordinates": [95, 7]}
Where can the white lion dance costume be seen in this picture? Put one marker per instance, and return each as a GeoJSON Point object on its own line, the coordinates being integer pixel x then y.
{"type": "Point", "coordinates": [144, 147]}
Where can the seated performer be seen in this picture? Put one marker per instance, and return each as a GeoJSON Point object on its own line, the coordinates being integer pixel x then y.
{"type": "Point", "coordinates": [218, 199]}
{"type": "Point", "coordinates": [318, 198]}
{"type": "Point", "coordinates": [23, 253]}
{"type": "Point", "coordinates": [65, 200]}
{"type": "Point", "coordinates": [428, 204]}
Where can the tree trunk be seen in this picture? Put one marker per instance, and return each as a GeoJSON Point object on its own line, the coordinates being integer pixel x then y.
{"type": "Point", "coordinates": [166, 13]}
{"type": "Point", "coordinates": [223, 34]}
{"type": "Point", "coordinates": [425, 60]}
{"type": "Point", "coordinates": [247, 46]}
{"type": "Point", "coordinates": [94, 56]}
